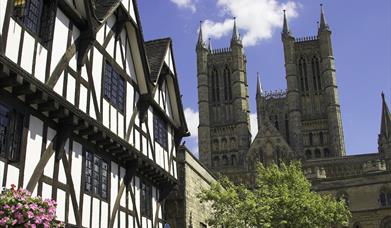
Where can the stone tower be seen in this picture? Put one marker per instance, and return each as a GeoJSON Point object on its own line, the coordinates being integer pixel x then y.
{"type": "Point", "coordinates": [384, 140]}
{"type": "Point", "coordinates": [224, 128]}
{"type": "Point", "coordinates": [315, 123]}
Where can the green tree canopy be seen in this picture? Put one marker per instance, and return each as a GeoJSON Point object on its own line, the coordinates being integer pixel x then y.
{"type": "Point", "coordinates": [282, 198]}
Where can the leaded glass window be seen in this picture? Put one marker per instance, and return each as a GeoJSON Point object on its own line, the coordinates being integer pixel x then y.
{"type": "Point", "coordinates": [146, 200]}
{"type": "Point", "coordinates": [160, 131]}
{"type": "Point", "coordinates": [11, 128]}
{"type": "Point", "coordinates": [114, 88]}
{"type": "Point", "coordinates": [96, 175]}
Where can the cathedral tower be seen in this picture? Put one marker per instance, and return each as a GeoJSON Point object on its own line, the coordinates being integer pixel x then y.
{"type": "Point", "coordinates": [315, 122]}
{"type": "Point", "coordinates": [224, 130]}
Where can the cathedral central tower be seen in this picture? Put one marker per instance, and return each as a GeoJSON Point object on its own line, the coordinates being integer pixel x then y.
{"type": "Point", "coordinates": [224, 130]}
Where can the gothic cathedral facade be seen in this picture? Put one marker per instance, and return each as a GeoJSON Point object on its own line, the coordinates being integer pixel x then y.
{"type": "Point", "coordinates": [302, 122]}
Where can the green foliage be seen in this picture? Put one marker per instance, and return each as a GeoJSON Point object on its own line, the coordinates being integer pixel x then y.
{"type": "Point", "coordinates": [282, 198]}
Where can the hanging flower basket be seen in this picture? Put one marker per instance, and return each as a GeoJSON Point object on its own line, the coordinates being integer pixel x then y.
{"type": "Point", "coordinates": [19, 209]}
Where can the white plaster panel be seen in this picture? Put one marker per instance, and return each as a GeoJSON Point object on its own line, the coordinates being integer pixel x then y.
{"type": "Point", "coordinates": [168, 60]}
{"type": "Point", "coordinates": [58, 88]}
{"type": "Point", "coordinates": [105, 113]}
{"type": "Point", "coordinates": [60, 38]}
{"type": "Point", "coordinates": [95, 212]}
{"type": "Point", "coordinates": [154, 205]}
{"type": "Point", "coordinates": [120, 125]}
{"type": "Point", "coordinates": [100, 35]}
{"type": "Point", "coordinates": [1, 173]}
{"type": "Point", "coordinates": [86, 211]}
{"type": "Point", "coordinates": [28, 53]}
{"type": "Point", "coordinates": [118, 57]}
{"type": "Point", "coordinates": [92, 107]}
{"type": "Point", "coordinates": [46, 191]}
{"type": "Point", "coordinates": [34, 146]}
{"type": "Point", "coordinates": [3, 7]}
{"type": "Point", "coordinates": [84, 74]}
{"type": "Point", "coordinates": [49, 168]}
{"type": "Point", "coordinates": [145, 146]}
{"type": "Point", "coordinates": [104, 214]}
{"type": "Point", "coordinates": [75, 35]}
{"type": "Point", "coordinates": [123, 197]}
{"type": "Point", "coordinates": [12, 176]}
{"type": "Point", "coordinates": [71, 214]}
{"type": "Point", "coordinates": [137, 195]}
{"type": "Point", "coordinates": [61, 171]}
{"type": "Point", "coordinates": [113, 123]}
{"type": "Point", "coordinates": [40, 63]}
{"type": "Point", "coordinates": [129, 103]}
{"type": "Point", "coordinates": [131, 221]}
{"type": "Point", "coordinates": [13, 41]}
{"type": "Point", "coordinates": [83, 98]}
{"type": "Point", "coordinates": [132, 12]}
{"type": "Point", "coordinates": [122, 219]}
{"type": "Point", "coordinates": [137, 140]}
{"type": "Point", "coordinates": [97, 74]}
{"type": "Point", "coordinates": [71, 88]}
{"type": "Point", "coordinates": [166, 160]}
{"type": "Point", "coordinates": [110, 46]}
{"type": "Point", "coordinates": [60, 212]}
{"type": "Point", "coordinates": [114, 183]}
{"type": "Point", "coordinates": [76, 171]}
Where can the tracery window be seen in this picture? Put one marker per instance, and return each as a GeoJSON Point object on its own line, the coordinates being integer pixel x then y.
{"type": "Point", "coordinates": [96, 175]}
{"type": "Point", "coordinates": [385, 198]}
{"type": "Point", "coordinates": [303, 75]}
{"type": "Point", "coordinates": [317, 153]}
{"type": "Point", "coordinates": [308, 154]}
{"type": "Point", "coordinates": [11, 128]}
{"type": "Point", "coordinates": [215, 86]}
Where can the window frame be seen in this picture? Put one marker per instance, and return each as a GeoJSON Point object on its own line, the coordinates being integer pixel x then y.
{"type": "Point", "coordinates": [15, 128]}
{"type": "Point", "coordinates": [113, 97]}
{"type": "Point", "coordinates": [101, 161]}
{"type": "Point", "coordinates": [146, 196]}
{"type": "Point", "coordinates": [160, 130]}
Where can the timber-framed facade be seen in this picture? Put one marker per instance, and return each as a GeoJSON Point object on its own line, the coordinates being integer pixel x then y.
{"type": "Point", "coordinates": [88, 117]}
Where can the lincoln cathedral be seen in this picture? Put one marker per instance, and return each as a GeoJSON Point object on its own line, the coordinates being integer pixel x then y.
{"type": "Point", "coordinates": [300, 122]}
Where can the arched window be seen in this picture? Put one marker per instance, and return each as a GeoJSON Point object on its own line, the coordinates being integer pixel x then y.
{"type": "Point", "coordinates": [321, 140]}
{"type": "Point", "coordinates": [232, 142]}
{"type": "Point", "coordinates": [316, 74]}
{"type": "Point", "coordinates": [317, 153]}
{"type": "Point", "coordinates": [233, 159]}
{"type": "Point", "coordinates": [224, 145]}
{"type": "Point", "coordinates": [303, 74]}
{"type": "Point", "coordinates": [308, 154]}
{"type": "Point", "coordinates": [216, 161]}
{"type": "Point", "coordinates": [385, 198]}
{"type": "Point", "coordinates": [227, 84]}
{"type": "Point", "coordinates": [311, 138]}
{"type": "Point", "coordinates": [225, 160]}
{"type": "Point", "coordinates": [215, 86]}
{"type": "Point", "coordinates": [216, 145]}
{"type": "Point", "coordinates": [326, 152]}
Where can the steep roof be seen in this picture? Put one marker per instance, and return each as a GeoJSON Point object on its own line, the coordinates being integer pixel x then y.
{"type": "Point", "coordinates": [385, 127]}
{"type": "Point", "coordinates": [156, 51]}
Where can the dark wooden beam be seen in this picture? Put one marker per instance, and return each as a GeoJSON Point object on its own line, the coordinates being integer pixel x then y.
{"type": "Point", "coordinates": [48, 106]}
{"type": "Point", "coordinates": [36, 98]}
{"type": "Point", "coordinates": [25, 89]}
{"type": "Point", "coordinates": [59, 114]}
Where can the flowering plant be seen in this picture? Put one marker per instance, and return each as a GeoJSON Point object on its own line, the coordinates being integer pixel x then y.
{"type": "Point", "coordinates": [19, 209]}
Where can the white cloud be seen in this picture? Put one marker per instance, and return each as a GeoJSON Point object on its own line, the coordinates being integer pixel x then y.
{"type": "Point", "coordinates": [192, 124]}
{"type": "Point", "coordinates": [254, 125]}
{"type": "Point", "coordinates": [185, 4]}
{"type": "Point", "coordinates": [256, 18]}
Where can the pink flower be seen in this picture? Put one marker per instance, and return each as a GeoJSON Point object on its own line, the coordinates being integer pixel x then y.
{"type": "Point", "coordinates": [30, 214]}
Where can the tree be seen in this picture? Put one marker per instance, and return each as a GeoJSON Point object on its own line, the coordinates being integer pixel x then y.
{"type": "Point", "coordinates": [282, 198]}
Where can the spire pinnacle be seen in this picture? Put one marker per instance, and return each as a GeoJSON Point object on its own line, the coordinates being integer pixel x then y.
{"type": "Point", "coordinates": [209, 44]}
{"type": "Point", "coordinates": [385, 128]}
{"type": "Point", "coordinates": [323, 24]}
{"type": "Point", "coordinates": [285, 28]}
{"type": "Point", "coordinates": [200, 42]}
{"type": "Point", "coordinates": [259, 86]}
{"type": "Point", "coordinates": [235, 33]}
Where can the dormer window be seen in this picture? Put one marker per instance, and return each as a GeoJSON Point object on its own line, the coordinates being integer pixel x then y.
{"type": "Point", "coordinates": [160, 131]}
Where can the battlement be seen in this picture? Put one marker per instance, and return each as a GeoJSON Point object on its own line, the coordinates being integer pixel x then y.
{"type": "Point", "coordinates": [221, 51]}
{"type": "Point", "coordinates": [343, 167]}
{"type": "Point", "coordinates": [276, 94]}
{"type": "Point", "coordinates": [306, 38]}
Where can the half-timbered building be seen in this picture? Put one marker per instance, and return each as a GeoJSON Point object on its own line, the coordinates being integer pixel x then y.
{"type": "Point", "coordinates": [90, 114]}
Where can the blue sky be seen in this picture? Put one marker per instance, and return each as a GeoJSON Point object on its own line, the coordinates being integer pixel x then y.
{"type": "Point", "coordinates": [361, 36]}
